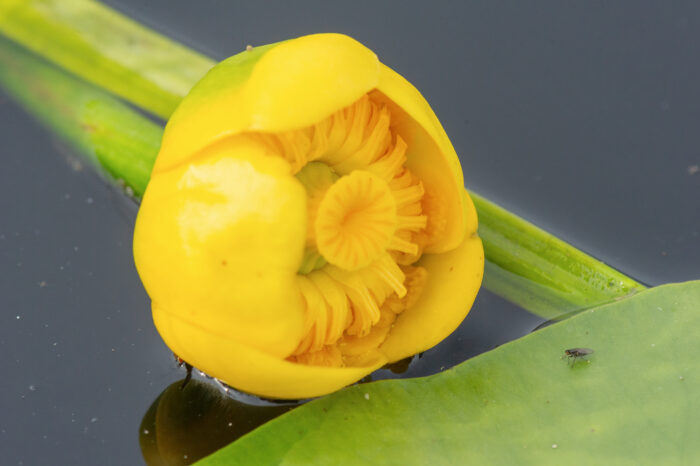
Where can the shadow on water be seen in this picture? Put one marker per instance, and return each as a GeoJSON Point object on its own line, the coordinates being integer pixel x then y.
{"type": "Point", "coordinates": [185, 424]}
{"type": "Point", "coordinates": [192, 419]}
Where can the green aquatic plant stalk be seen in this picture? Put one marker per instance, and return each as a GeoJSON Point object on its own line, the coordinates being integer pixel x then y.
{"type": "Point", "coordinates": [106, 132]}
{"type": "Point", "coordinates": [540, 272]}
{"type": "Point", "coordinates": [106, 48]}
{"type": "Point", "coordinates": [525, 264]}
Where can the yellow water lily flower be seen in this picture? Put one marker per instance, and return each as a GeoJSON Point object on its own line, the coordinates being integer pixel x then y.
{"type": "Point", "coordinates": [306, 221]}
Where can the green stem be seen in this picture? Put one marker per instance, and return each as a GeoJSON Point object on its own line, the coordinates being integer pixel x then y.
{"type": "Point", "coordinates": [106, 132]}
{"type": "Point", "coordinates": [525, 264]}
{"type": "Point", "coordinates": [106, 49]}
{"type": "Point", "coordinates": [539, 272]}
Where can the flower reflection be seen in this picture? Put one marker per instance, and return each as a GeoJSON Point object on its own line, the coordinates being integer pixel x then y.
{"type": "Point", "coordinates": [185, 424]}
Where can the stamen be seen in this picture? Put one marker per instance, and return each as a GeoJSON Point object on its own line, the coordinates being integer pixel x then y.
{"type": "Point", "coordinates": [392, 162]}
{"type": "Point", "coordinates": [390, 273]}
{"type": "Point", "coordinates": [316, 313]}
{"type": "Point", "coordinates": [415, 238]}
{"type": "Point", "coordinates": [411, 222]}
{"type": "Point", "coordinates": [295, 146]}
{"type": "Point", "coordinates": [355, 346]}
{"type": "Point", "coordinates": [416, 278]}
{"type": "Point", "coordinates": [337, 133]}
{"type": "Point", "coordinates": [408, 195]}
{"type": "Point", "coordinates": [402, 180]}
{"type": "Point", "coordinates": [398, 244]}
{"type": "Point", "coordinates": [347, 131]}
{"type": "Point", "coordinates": [319, 139]}
{"type": "Point", "coordinates": [336, 302]}
{"type": "Point", "coordinates": [358, 116]}
{"type": "Point", "coordinates": [372, 148]}
{"type": "Point", "coordinates": [437, 216]}
{"type": "Point", "coordinates": [367, 222]}
{"type": "Point", "coordinates": [365, 310]}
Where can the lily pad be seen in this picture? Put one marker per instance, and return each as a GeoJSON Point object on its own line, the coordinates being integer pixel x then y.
{"type": "Point", "coordinates": [635, 400]}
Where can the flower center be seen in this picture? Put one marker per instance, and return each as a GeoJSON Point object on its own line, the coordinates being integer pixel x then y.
{"type": "Point", "coordinates": [366, 227]}
{"type": "Point", "coordinates": [355, 220]}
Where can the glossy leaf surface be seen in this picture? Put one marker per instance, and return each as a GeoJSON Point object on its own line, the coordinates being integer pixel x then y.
{"type": "Point", "coordinates": [635, 400]}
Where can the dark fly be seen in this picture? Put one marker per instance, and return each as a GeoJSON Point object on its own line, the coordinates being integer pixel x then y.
{"type": "Point", "coordinates": [575, 353]}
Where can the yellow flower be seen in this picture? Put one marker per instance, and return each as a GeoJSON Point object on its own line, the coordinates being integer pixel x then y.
{"type": "Point", "coordinates": [306, 221]}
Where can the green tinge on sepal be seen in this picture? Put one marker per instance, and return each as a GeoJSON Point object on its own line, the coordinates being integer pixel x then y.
{"type": "Point", "coordinates": [229, 75]}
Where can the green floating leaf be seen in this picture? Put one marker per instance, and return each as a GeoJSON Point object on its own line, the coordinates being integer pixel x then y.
{"type": "Point", "coordinates": [635, 400]}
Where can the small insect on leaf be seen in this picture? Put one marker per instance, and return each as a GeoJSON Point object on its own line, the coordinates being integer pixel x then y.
{"type": "Point", "coordinates": [574, 353]}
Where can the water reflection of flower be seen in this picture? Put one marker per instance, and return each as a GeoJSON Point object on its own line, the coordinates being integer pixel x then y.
{"type": "Point", "coordinates": [187, 423]}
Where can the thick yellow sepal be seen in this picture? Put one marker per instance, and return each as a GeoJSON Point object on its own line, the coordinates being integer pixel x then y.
{"type": "Point", "coordinates": [218, 242]}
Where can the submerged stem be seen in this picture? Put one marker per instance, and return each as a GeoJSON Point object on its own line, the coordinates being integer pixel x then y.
{"type": "Point", "coordinates": [105, 132]}
{"type": "Point", "coordinates": [524, 264]}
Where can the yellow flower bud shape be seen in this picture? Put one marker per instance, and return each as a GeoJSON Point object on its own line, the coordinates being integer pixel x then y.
{"type": "Point", "coordinates": [306, 221]}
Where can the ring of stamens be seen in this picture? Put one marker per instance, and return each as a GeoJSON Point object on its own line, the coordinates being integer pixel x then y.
{"type": "Point", "coordinates": [366, 229]}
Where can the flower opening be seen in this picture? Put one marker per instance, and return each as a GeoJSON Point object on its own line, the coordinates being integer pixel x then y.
{"type": "Point", "coordinates": [365, 228]}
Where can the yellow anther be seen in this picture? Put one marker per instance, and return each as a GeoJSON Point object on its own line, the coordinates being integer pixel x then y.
{"type": "Point", "coordinates": [391, 163]}
{"type": "Point", "coordinates": [391, 274]}
{"type": "Point", "coordinates": [415, 282]}
{"type": "Point", "coordinates": [337, 303]}
{"type": "Point", "coordinates": [365, 222]}
{"type": "Point", "coordinates": [401, 245]}
{"type": "Point", "coordinates": [412, 222]}
{"type": "Point", "coordinates": [409, 195]}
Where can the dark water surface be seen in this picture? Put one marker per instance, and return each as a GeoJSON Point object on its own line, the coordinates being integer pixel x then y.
{"type": "Point", "coordinates": [583, 118]}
